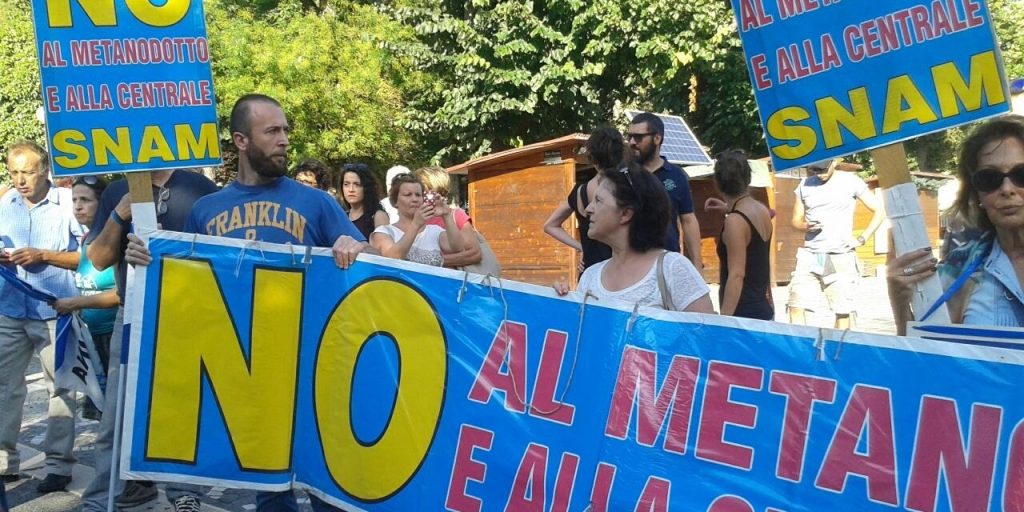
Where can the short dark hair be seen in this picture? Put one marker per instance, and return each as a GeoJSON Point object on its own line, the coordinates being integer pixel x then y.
{"type": "Point", "coordinates": [240, 112]}
{"type": "Point", "coordinates": [636, 189]}
{"type": "Point", "coordinates": [371, 193]}
{"type": "Point", "coordinates": [732, 172]}
{"type": "Point", "coordinates": [397, 183]}
{"type": "Point", "coordinates": [654, 123]}
{"type": "Point", "coordinates": [319, 169]}
{"type": "Point", "coordinates": [1006, 127]}
{"type": "Point", "coordinates": [24, 145]}
{"type": "Point", "coordinates": [606, 148]}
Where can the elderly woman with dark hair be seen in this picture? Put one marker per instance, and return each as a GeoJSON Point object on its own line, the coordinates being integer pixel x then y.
{"type": "Point", "coordinates": [630, 213]}
{"type": "Point", "coordinates": [983, 278]}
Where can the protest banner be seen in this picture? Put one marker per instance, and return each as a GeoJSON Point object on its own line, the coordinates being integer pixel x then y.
{"type": "Point", "coordinates": [394, 386]}
{"type": "Point", "coordinates": [832, 78]}
{"type": "Point", "coordinates": [126, 85]}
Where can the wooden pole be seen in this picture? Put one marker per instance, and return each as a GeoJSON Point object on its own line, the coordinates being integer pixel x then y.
{"type": "Point", "coordinates": [140, 187]}
{"type": "Point", "coordinates": [909, 232]}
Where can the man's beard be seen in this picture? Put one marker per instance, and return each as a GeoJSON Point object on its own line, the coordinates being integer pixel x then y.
{"type": "Point", "coordinates": [643, 157]}
{"type": "Point", "coordinates": [265, 165]}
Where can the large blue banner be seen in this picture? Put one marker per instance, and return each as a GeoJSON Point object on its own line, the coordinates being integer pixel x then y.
{"type": "Point", "coordinates": [394, 386]}
{"type": "Point", "coordinates": [126, 85]}
{"type": "Point", "coordinates": [832, 78]}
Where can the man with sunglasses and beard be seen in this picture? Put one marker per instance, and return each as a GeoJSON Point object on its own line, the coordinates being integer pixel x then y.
{"type": "Point", "coordinates": [827, 263]}
{"type": "Point", "coordinates": [174, 191]}
{"type": "Point", "coordinates": [286, 212]}
{"type": "Point", "coordinates": [645, 136]}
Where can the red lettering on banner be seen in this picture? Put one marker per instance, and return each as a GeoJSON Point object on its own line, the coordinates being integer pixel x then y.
{"type": "Point", "coordinates": [655, 497]}
{"type": "Point", "coordinates": [1013, 487]}
{"type": "Point", "coordinates": [52, 100]}
{"type": "Point", "coordinates": [543, 403]}
{"type": "Point", "coordinates": [51, 55]}
{"type": "Point", "coordinates": [752, 15]}
{"type": "Point", "coordinates": [466, 468]}
{"type": "Point", "coordinates": [635, 386]}
{"type": "Point", "coordinates": [940, 450]}
{"type": "Point", "coordinates": [529, 486]}
{"type": "Point", "coordinates": [604, 478]}
{"type": "Point", "coordinates": [718, 410]}
{"type": "Point", "coordinates": [510, 341]}
{"type": "Point", "coordinates": [868, 413]}
{"type": "Point", "coordinates": [807, 59]}
{"type": "Point", "coordinates": [757, 63]}
{"type": "Point", "coordinates": [801, 391]}
{"type": "Point", "coordinates": [565, 481]}
{"type": "Point", "coordinates": [730, 503]}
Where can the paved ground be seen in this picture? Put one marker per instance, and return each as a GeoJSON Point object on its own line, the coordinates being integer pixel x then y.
{"type": "Point", "coordinates": [874, 316]}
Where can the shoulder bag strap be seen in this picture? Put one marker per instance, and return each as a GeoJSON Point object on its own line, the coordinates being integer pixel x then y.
{"type": "Point", "coordinates": [666, 296]}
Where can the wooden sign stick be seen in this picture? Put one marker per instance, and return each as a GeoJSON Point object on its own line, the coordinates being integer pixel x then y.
{"type": "Point", "coordinates": [140, 187]}
{"type": "Point", "coordinates": [908, 227]}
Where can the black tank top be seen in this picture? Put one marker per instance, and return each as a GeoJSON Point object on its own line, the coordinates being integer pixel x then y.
{"type": "Point", "coordinates": [365, 223]}
{"type": "Point", "coordinates": [593, 251]}
{"type": "Point", "coordinates": [755, 297]}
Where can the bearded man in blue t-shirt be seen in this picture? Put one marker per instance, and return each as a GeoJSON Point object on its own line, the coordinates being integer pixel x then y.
{"type": "Point", "coordinates": [262, 204]}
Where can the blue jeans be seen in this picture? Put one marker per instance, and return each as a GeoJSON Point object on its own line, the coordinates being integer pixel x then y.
{"type": "Point", "coordinates": [285, 502]}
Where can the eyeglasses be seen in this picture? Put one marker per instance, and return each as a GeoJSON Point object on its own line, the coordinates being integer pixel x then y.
{"type": "Point", "coordinates": [161, 201]}
{"type": "Point", "coordinates": [637, 136]}
{"type": "Point", "coordinates": [989, 180]}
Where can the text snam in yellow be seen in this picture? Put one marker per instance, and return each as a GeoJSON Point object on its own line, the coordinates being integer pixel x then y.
{"type": "Point", "coordinates": [904, 102]}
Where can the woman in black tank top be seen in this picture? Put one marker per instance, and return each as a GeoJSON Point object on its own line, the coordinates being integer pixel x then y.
{"type": "Point", "coordinates": [360, 198]}
{"type": "Point", "coordinates": [745, 242]}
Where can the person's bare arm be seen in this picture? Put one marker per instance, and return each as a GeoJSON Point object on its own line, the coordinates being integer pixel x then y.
{"type": "Point", "coordinates": [736, 237]}
{"type": "Point", "coordinates": [553, 226]}
{"type": "Point", "coordinates": [26, 256]}
{"type": "Point", "coordinates": [871, 202]}
{"type": "Point", "coordinates": [107, 299]}
{"type": "Point", "coordinates": [701, 305]}
{"type": "Point", "coordinates": [105, 250]}
{"type": "Point", "coordinates": [470, 253]}
{"type": "Point", "coordinates": [691, 239]}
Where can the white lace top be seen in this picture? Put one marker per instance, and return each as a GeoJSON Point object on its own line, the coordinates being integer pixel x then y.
{"type": "Point", "coordinates": [426, 249]}
{"type": "Point", "coordinates": [685, 284]}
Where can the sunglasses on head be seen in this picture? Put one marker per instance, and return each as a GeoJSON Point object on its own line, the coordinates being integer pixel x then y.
{"type": "Point", "coordinates": [354, 167]}
{"type": "Point", "coordinates": [989, 180]}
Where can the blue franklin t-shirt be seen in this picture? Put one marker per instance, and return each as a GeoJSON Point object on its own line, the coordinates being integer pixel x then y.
{"type": "Point", "coordinates": [677, 184]}
{"type": "Point", "coordinates": [282, 211]}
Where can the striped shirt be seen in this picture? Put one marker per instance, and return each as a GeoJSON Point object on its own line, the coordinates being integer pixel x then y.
{"type": "Point", "coordinates": [49, 225]}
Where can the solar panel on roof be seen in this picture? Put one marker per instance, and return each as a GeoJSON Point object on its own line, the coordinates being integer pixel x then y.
{"type": "Point", "coordinates": [680, 145]}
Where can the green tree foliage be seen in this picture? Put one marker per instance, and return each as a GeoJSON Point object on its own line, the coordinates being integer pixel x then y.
{"type": "Point", "coordinates": [20, 94]}
{"type": "Point", "coordinates": [342, 92]}
{"type": "Point", "coordinates": [514, 72]}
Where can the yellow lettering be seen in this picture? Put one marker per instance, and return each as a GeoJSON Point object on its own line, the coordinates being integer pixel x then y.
{"type": "Point", "coordinates": [250, 214]}
{"type": "Point", "coordinates": [297, 224]}
{"type": "Point", "coordinates": [205, 146]}
{"type": "Point", "coordinates": [264, 213]}
{"type": "Point", "coordinates": [780, 127]}
{"type": "Point", "coordinates": [952, 91]}
{"type": "Point", "coordinates": [222, 223]}
{"type": "Point", "coordinates": [378, 470]}
{"type": "Point", "coordinates": [201, 340]}
{"type": "Point", "coordinates": [903, 91]}
{"type": "Point", "coordinates": [833, 114]}
{"type": "Point", "coordinates": [171, 12]}
{"type": "Point", "coordinates": [121, 148]}
{"type": "Point", "coordinates": [154, 145]}
{"type": "Point", "coordinates": [64, 142]}
{"type": "Point", "coordinates": [100, 12]}
{"type": "Point", "coordinates": [236, 219]}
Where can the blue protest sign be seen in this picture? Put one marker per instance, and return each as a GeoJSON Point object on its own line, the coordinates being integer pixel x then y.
{"type": "Point", "coordinates": [126, 85]}
{"type": "Point", "coordinates": [832, 78]}
{"type": "Point", "coordinates": [394, 386]}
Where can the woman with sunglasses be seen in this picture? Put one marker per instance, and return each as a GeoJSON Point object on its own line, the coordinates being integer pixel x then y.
{"type": "Point", "coordinates": [982, 278]}
{"type": "Point", "coordinates": [744, 245]}
{"type": "Point", "coordinates": [630, 213]}
{"type": "Point", "coordinates": [98, 291]}
{"type": "Point", "coordinates": [360, 198]}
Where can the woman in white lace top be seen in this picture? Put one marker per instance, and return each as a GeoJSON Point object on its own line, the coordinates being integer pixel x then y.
{"type": "Point", "coordinates": [630, 213]}
{"type": "Point", "coordinates": [411, 238]}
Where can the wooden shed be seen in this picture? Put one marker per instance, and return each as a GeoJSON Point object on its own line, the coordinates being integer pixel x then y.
{"type": "Point", "coordinates": [511, 193]}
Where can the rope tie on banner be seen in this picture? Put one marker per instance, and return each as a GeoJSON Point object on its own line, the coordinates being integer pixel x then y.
{"type": "Point", "coordinates": [839, 346]}
{"type": "Point", "coordinates": [462, 289]}
{"type": "Point", "coordinates": [241, 254]}
{"type": "Point", "coordinates": [819, 345]}
{"type": "Point", "coordinates": [572, 369]}
{"type": "Point", "coordinates": [632, 318]}
{"type": "Point", "coordinates": [192, 248]}
{"type": "Point", "coordinates": [291, 248]}
{"type": "Point", "coordinates": [307, 258]}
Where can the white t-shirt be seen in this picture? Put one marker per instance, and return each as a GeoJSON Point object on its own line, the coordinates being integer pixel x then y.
{"type": "Point", "coordinates": [426, 249]}
{"type": "Point", "coordinates": [684, 283]}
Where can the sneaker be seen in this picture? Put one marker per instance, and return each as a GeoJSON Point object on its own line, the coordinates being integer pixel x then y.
{"type": "Point", "coordinates": [186, 504]}
{"type": "Point", "coordinates": [53, 483]}
{"type": "Point", "coordinates": [136, 493]}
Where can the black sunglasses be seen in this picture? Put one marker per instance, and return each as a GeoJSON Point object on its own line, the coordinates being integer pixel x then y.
{"type": "Point", "coordinates": [989, 180]}
{"type": "Point", "coordinates": [638, 136]}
